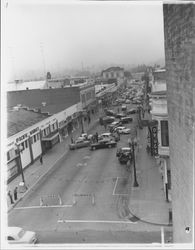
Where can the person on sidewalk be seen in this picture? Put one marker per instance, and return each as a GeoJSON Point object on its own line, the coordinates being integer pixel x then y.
{"type": "Point", "coordinates": [10, 196]}
{"type": "Point", "coordinates": [41, 160]}
{"type": "Point", "coordinates": [15, 193]}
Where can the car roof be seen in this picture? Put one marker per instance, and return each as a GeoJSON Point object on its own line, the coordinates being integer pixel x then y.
{"type": "Point", "coordinates": [126, 148]}
{"type": "Point", "coordinates": [105, 134]}
{"type": "Point", "coordinates": [14, 230]}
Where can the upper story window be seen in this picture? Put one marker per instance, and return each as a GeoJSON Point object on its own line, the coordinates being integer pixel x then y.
{"type": "Point", "coordinates": [164, 133]}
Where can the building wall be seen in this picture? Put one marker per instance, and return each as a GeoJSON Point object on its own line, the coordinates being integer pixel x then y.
{"type": "Point", "coordinates": [179, 30]}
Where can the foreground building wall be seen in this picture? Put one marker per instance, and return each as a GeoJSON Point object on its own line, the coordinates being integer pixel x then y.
{"type": "Point", "coordinates": [179, 27]}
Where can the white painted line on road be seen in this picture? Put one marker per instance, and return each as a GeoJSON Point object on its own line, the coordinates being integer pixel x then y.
{"type": "Point", "coordinates": [121, 194]}
{"type": "Point", "coordinates": [79, 164]}
{"type": "Point", "coordinates": [60, 199]}
{"type": "Point", "coordinates": [86, 157]}
{"type": "Point", "coordinates": [54, 206]}
{"type": "Point", "coordinates": [116, 186]}
{"type": "Point", "coordinates": [113, 193]}
{"type": "Point", "coordinates": [97, 221]}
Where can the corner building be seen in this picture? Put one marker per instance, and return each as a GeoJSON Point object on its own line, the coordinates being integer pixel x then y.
{"type": "Point", "coordinates": [179, 31]}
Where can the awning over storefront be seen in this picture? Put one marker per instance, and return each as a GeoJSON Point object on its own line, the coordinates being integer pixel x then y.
{"type": "Point", "coordinates": [51, 136]}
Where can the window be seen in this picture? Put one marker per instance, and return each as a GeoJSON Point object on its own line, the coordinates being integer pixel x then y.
{"type": "Point", "coordinates": [38, 137]}
{"type": "Point", "coordinates": [164, 133]}
{"type": "Point", "coordinates": [35, 139]}
{"type": "Point", "coordinates": [26, 144]}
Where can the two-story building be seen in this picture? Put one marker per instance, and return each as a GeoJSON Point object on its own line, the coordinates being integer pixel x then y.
{"type": "Point", "coordinates": [158, 103]}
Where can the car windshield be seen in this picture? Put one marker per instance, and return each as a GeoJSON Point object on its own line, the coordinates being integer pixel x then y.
{"type": "Point", "coordinates": [21, 233]}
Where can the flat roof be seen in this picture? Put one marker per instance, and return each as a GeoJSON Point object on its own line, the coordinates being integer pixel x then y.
{"type": "Point", "coordinates": [18, 120]}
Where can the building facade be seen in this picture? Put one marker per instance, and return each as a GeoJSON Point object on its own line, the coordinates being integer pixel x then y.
{"type": "Point", "coordinates": [40, 118]}
{"type": "Point", "coordinates": [179, 32]}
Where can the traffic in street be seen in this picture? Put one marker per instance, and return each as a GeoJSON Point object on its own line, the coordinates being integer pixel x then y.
{"type": "Point", "coordinates": [88, 193]}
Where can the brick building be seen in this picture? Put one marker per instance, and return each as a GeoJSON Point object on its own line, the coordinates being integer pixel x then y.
{"type": "Point", "coordinates": [179, 31]}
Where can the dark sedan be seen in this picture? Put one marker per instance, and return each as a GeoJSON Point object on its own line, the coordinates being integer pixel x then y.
{"type": "Point", "coordinates": [131, 111]}
{"type": "Point", "coordinates": [105, 143]}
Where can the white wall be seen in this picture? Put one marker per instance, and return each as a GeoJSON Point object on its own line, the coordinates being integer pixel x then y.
{"type": "Point", "coordinates": [25, 157]}
{"type": "Point", "coordinates": [36, 148]}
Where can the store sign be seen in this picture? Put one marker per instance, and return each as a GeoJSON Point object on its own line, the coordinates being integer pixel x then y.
{"type": "Point", "coordinates": [155, 140]}
{"type": "Point", "coordinates": [34, 131]}
{"type": "Point", "coordinates": [22, 138]}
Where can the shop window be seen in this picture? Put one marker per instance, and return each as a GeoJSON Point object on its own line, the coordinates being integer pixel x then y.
{"type": "Point", "coordinates": [164, 133]}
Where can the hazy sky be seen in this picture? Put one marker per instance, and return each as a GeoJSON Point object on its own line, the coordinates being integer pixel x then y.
{"type": "Point", "coordinates": [56, 35]}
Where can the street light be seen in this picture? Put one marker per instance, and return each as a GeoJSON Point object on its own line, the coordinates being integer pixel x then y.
{"type": "Point", "coordinates": [133, 143]}
{"type": "Point", "coordinates": [19, 150]}
{"type": "Point", "coordinates": [82, 125]}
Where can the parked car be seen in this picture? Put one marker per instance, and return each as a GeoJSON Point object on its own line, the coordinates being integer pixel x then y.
{"type": "Point", "coordinates": [124, 107]}
{"type": "Point", "coordinates": [114, 125]}
{"type": "Point", "coordinates": [17, 235]}
{"type": "Point", "coordinates": [126, 119]}
{"type": "Point", "coordinates": [85, 136]}
{"type": "Point", "coordinates": [105, 143]}
{"type": "Point", "coordinates": [131, 111]}
{"type": "Point", "coordinates": [109, 136]}
{"type": "Point", "coordinates": [120, 115]}
{"type": "Point", "coordinates": [79, 143]}
{"type": "Point", "coordinates": [124, 154]}
{"type": "Point", "coordinates": [122, 130]}
{"type": "Point", "coordinates": [106, 120]}
{"type": "Point", "coordinates": [127, 101]}
{"type": "Point", "coordinates": [110, 112]}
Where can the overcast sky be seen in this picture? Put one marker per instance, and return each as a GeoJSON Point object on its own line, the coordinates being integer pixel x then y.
{"type": "Point", "coordinates": [68, 35]}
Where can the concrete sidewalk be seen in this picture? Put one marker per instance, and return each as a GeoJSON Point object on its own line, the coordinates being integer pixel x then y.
{"type": "Point", "coordinates": [147, 202]}
{"type": "Point", "coordinates": [35, 172]}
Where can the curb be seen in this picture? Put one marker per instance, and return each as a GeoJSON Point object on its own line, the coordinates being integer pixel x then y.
{"type": "Point", "coordinates": [149, 222]}
{"type": "Point", "coordinates": [47, 172]}
{"type": "Point", "coordinates": [38, 180]}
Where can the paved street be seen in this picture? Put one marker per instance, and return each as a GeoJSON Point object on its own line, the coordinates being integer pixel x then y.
{"type": "Point", "coordinates": [86, 196]}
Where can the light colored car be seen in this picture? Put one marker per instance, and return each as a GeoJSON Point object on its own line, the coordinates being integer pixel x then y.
{"type": "Point", "coordinates": [127, 101]}
{"type": "Point", "coordinates": [79, 143]}
{"type": "Point", "coordinates": [104, 136]}
{"type": "Point", "coordinates": [85, 136]}
{"type": "Point", "coordinates": [17, 235]}
{"type": "Point", "coordinates": [123, 130]}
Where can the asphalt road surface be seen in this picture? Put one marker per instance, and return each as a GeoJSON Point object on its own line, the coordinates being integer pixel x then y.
{"type": "Point", "coordinates": [84, 200]}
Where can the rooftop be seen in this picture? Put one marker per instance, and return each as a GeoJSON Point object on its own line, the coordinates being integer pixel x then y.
{"type": "Point", "coordinates": [113, 69]}
{"type": "Point", "coordinates": [50, 101]}
{"type": "Point", "coordinates": [21, 119]}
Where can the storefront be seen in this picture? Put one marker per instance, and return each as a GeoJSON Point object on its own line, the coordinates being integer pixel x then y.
{"type": "Point", "coordinates": [49, 135]}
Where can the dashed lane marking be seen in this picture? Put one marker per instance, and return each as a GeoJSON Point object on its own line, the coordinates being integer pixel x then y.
{"type": "Point", "coordinates": [97, 221]}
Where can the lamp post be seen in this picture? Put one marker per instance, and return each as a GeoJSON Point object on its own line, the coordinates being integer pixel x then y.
{"type": "Point", "coordinates": [82, 125]}
{"type": "Point", "coordinates": [19, 150]}
{"type": "Point", "coordinates": [132, 144]}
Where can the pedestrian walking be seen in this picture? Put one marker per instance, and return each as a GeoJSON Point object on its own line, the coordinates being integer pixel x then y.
{"type": "Point", "coordinates": [15, 193]}
{"type": "Point", "coordinates": [72, 140]}
{"type": "Point", "coordinates": [10, 196]}
{"type": "Point", "coordinates": [41, 159]}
